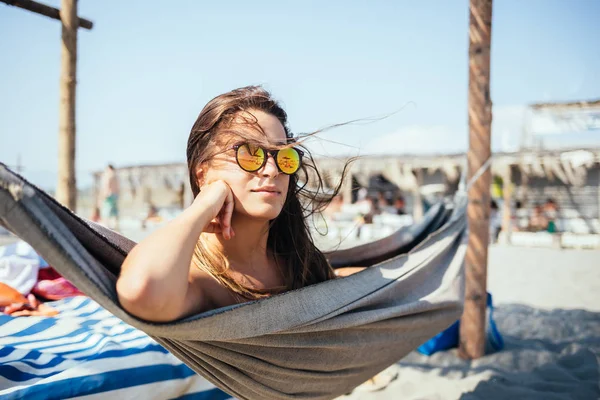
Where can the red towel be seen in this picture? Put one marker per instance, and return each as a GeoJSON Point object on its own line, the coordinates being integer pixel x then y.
{"type": "Point", "coordinates": [52, 286]}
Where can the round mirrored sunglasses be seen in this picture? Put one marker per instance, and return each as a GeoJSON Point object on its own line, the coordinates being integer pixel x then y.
{"type": "Point", "coordinates": [252, 158]}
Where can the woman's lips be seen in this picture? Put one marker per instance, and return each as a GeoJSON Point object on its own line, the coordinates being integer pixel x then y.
{"type": "Point", "coordinates": [266, 189]}
{"type": "Point", "coordinates": [270, 192]}
{"type": "Point", "coordinates": [273, 194]}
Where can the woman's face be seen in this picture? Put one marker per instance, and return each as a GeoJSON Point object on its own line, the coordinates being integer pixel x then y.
{"type": "Point", "coordinates": [260, 194]}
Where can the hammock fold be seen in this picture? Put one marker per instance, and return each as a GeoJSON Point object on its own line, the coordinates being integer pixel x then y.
{"type": "Point", "coordinates": [318, 342]}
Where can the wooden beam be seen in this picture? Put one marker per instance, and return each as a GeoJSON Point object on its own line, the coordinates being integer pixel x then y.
{"type": "Point", "coordinates": [472, 323]}
{"type": "Point", "coordinates": [66, 189]}
{"type": "Point", "coordinates": [45, 10]}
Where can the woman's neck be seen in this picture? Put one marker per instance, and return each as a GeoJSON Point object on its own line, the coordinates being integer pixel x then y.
{"type": "Point", "coordinates": [249, 245]}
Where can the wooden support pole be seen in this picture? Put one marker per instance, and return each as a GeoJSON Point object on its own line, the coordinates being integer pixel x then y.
{"type": "Point", "coordinates": [472, 324]}
{"type": "Point", "coordinates": [66, 190]}
{"type": "Point", "coordinates": [45, 10]}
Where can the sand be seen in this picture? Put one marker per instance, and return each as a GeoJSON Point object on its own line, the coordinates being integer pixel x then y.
{"type": "Point", "coordinates": [548, 311]}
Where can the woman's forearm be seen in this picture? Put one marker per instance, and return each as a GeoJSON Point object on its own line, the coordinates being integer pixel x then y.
{"type": "Point", "coordinates": [155, 275]}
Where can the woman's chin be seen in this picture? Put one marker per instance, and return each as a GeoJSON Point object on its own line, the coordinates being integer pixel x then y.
{"type": "Point", "coordinates": [265, 212]}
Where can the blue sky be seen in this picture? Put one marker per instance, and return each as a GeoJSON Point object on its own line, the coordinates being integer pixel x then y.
{"type": "Point", "coordinates": [146, 69]}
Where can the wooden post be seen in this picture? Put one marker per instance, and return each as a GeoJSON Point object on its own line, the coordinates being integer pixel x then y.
{"type": "Point", "coordinates": [472, 324]}
{"type": "Point", "coordinates": [66, 190]}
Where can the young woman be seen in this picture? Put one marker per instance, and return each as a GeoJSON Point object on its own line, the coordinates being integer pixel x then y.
{"type": "Point", "coordinates": [246, 235]}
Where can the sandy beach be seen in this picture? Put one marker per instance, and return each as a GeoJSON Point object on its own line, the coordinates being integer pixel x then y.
{"type": "Point", "coordinates": [548, 311]}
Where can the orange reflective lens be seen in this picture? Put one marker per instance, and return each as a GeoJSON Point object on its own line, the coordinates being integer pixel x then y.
{"type": "Point", "coordinates": [288, 160]}
{"type": "Point", "coordinates": [252, 158]}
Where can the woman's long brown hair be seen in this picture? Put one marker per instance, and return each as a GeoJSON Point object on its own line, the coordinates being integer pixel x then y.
{"type": "Point", "coordinates": [289, 237]}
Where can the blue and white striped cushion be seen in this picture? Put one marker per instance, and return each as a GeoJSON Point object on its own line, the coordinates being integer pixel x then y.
{"type": "Point", "coordinates": [85, 352]}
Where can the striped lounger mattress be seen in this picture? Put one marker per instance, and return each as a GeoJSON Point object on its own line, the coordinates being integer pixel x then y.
{"type": "Point", "coordinates": [87, 353]}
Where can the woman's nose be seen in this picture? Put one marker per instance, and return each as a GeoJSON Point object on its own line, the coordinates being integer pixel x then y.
{"type": "Point", "coordinates": [270, 169]}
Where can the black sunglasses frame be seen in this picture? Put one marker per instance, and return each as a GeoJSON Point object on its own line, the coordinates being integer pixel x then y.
{"type": "Point", "coordinates": [273, 154]}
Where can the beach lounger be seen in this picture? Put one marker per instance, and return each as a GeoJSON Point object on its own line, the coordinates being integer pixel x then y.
{"type": "Point", "coordinates": [87, 352]}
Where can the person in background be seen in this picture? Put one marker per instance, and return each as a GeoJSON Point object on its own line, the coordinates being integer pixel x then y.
{"type": "Point", "coordinates": [95, 217]}
{"type": "Point", "coordinates": [551, 213]}
{"type": "Point", "coordinates": [538, 221]}
{"type": "Point", "coordinates": [363, 202]}
{"type": "Point", "coordinates": [400, 205]}
{"type": "Point", "coordinates": [495, 222]}
{"type": "Point", "coordinates": [382, 201]}
{"type": "Point", "coordinates": [151, 215]}
{"type": "Point", "coordinates": [367, 218]}
{"type": "Point", "coordinates": [515, 225]}
{"type": "Point", "coordinates": [181, 196]}
{"type": "Point", "coordinates": [374, 209]}
{"type": "Point", "coordinates": [109, 195]}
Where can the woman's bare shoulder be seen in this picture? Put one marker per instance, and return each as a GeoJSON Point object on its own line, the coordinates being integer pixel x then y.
{"type": "Point", "coordinates": [209, 292]}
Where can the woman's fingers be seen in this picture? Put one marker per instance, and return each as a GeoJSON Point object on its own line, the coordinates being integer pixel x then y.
{"type": "Point", "coordinates": [33, 301]}
{"type": "Point", "coordinates": [220, 195]}
{"type": "Point", "coordinates": [213, 227]}
{"type": "Point", "coordinates": [227, 214]}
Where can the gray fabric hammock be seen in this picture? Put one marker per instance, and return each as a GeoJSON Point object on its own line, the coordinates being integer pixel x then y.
{"type": "Point", "coordinates": [318, 342]}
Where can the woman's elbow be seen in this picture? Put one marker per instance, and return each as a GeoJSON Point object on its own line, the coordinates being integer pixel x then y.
{"type": "Point", "coordinates": [133, 288]}
{"type": "Point", "coordinates": [137, 298]}
{"type": "Point", "coordinates": [146, 294]}
{"type": "Point", "coordinates": [132, 295]}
